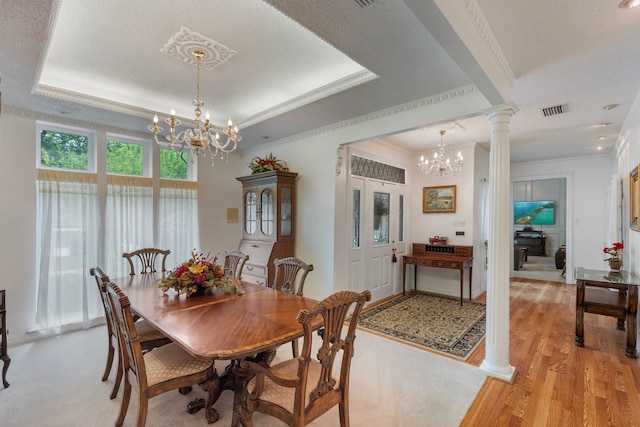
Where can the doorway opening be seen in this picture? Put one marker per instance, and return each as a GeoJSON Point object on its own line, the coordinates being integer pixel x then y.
{"type": "Point", "coordinates": [540, 229]}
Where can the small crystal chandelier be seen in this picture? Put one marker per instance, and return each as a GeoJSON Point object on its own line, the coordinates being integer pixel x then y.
{"type": "Point", "coordinates": [440, 165]}
{"type": "Point", "coordinates": [200, 139]}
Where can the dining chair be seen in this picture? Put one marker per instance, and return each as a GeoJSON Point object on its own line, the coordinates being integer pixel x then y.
{"type": "Point", "coordinates": [155, 372]}
{"type": "Point", "coordinates": [234, 264]}
{"type": "Point", "coordinates": [149, 336]}
{"type": "Point", "coordinates": [299, 390]}
{"type": "Point", "coordinates": [147, 257]}
{"type": "Point", "coordinates": [287, 270]}
{"type": "Point", "coordinates": [6, 360]}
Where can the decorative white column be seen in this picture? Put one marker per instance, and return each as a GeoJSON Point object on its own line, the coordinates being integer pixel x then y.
{"type": "Point", "coordinates": [496, 362]}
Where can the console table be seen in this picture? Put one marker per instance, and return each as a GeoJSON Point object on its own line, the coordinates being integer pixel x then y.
{"type": "Point", "coordinates": [593, 295]}
{"type": "Point", "coordinates": [439, 256]}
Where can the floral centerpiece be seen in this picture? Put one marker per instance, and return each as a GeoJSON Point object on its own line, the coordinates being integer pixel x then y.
{"type": "Point", "coordinates": [269, 163]}
{"type": "Point", "coordinates": [198, 275]}
{"type": "Point", "coordinates": [614, 252]}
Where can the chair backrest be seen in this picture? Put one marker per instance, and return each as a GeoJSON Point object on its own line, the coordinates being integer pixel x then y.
{"type": "Point", "coordinates": [334, 310]}
{"type": "Point", "coordinates": [311, 398]}
{"type": "Point", "coordinates": [131, 350]}
{"type": "Point", "coordinates": [101, 281]}
{"type": "Point", "coordinates": [286, 273]}
{"type": "Point", "coordinates": [234, 264]}
{"type": "Point", "coordinates": [3, 320]}
{"type": "Point", "coordinates": [147, 257]}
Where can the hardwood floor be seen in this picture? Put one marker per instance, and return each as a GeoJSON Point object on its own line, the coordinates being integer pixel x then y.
{"type": "Point", "coordinates": [557, 383]}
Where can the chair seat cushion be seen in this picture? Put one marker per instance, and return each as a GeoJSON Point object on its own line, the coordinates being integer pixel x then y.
{"type": "Point", "coordinates": [147, 332]}
{"type": "Point", "coordinates": [170, 361]}
{"type": "Point", "coordinates": [284, 396]}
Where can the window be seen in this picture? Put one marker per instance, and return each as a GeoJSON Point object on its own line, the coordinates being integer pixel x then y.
{"type": "Point", "coordinates": [125, 158]}
{"type": "Point", "coordinates": [381, 218]}
{"type": "Point", "coordinates": [174, 165]}
{"type": "Point", "coordinates": [356, 219]}
{"type": "Point", "coordinates": [61, 147]}
{"type": "Point", "coordinates": [401, 218]}
{"type": "Point", "coordinates": [84, 219]}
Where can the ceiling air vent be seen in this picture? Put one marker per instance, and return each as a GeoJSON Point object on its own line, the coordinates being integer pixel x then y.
{"type": "Point", "coordinates": [365, 3]}
{"type": "Point", "coordinates": [554, 111]}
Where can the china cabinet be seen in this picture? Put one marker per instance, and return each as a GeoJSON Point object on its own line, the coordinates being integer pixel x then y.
{"type": "Point", "coordinates": [268, 222]}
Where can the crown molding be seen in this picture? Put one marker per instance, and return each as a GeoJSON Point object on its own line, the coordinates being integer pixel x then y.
{"type": "Point", "coordinates": [481, 25]}
{"type": "Point", "coordinates": [397, 109]}
{"type": "Point", "coordinates": [75, 123]}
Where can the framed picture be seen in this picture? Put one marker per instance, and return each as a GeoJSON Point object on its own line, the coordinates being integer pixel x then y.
{"type": "Point", "coordinates": [634, 193]}
{"type": "Point", "coordinates": [440, 199]}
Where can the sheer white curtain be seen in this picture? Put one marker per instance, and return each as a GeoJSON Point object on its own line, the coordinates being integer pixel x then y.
{"type": "Point", "coordinates": [128, 220]}
{"type": "Point", "coordinates": [67, 244]}
{"type": "Point", "coordinates": [178, 219]}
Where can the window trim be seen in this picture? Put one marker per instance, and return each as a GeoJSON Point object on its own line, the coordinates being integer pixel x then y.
{"type": "Point", "coordinates": [192, 165]}
{"type": "Point", "coordinates": [54, 127]}
{"type": "Point", "coordinates": [147, 152]}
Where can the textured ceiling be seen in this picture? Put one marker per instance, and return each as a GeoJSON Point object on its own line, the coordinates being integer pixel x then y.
{"type": "Point", "coordinates": [300, 66]}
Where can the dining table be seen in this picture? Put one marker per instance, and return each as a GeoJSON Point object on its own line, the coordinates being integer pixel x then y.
{"type": "Point", "coordinates": [220, 325]}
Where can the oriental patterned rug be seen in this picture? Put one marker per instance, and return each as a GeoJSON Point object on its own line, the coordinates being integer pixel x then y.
{"type": "Point", "coordinates": [435, 322]}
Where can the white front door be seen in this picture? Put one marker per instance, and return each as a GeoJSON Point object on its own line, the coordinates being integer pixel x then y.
{"type": "Point", "coordinates": [379, 227]}
{"type": "Point", "coordinates": [375, 228]}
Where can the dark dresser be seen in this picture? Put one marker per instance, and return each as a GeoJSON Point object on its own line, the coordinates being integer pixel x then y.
{"type": "Point", "coordinates": [533, 241]}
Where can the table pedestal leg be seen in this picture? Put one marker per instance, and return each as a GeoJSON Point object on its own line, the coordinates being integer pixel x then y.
{"type": "Point", "coordinates": [229, 380]}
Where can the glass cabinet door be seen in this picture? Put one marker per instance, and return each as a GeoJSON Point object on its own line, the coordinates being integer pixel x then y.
{"type": "Point", "coordinates": [285, 211]}
{"type": "Point", "coordinates": [267, 204]}
{"type": "Point", "coordinates": [250, 212]}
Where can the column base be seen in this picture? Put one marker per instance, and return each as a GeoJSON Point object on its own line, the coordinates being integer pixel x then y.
{"type": "Point", "coordinates": [507, 374]}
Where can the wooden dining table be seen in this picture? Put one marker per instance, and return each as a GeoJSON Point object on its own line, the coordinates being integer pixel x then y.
{"type": "Point", "coordinates": [220, 326]}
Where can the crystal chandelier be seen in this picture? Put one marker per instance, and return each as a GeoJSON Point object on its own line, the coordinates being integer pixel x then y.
{"type": "Point", "coordinates": [200, 139]}
{"type": "Point", "coordinates": [439, 164]}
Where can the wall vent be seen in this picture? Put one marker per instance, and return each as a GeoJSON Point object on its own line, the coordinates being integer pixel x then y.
{"type": "Point", "coordinates": [554, 111]}
{"type": "Point", "coordinates": [365, 3]}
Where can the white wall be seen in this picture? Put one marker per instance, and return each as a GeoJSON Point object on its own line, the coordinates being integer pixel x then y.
{"type": "Point", "coordinates": [628, 157]}
{"type": "Point", "coordinates": [218, 190]}
{"type": "Point", "coordinates": [17, 226]}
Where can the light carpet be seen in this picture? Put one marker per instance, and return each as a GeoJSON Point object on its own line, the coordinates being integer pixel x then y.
{"type": "Point", "coordinates": [56, 382]}
{"type": "Point", "coordinates": [435, 322]}
{"type": "Point", "coordinates": [540, 268]}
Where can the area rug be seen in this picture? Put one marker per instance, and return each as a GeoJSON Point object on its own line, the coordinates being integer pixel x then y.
{"type": "Point", "coordinates": [435, 322]}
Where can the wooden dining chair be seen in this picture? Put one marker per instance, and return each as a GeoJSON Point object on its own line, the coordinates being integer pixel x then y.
{"type": "Point", "coordinates": [147, 258]}
{"type": "Point", "coordinates": [155, 372]}
{"type": "Point", "coordinates": [299, 390]}
{"type": "Point", "coordinates": [6, 360]}
{"type": "Point", "coordinates": [149, 336]}
{"type": "Point", "coordinates": [234, 264]}
{"type": "Point", "coordinates": [287, 270]}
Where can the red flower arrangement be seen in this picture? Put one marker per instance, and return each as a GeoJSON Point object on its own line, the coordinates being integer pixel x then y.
{"type": "Point", "coordinates": [197, 275]}
{"type": "Point", "coordinates": [614, 252]}
{"type": "Point", "coordinates": [269, 163]}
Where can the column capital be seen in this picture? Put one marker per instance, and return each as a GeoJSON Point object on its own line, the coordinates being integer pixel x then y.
{"type": "Point", "coordinates": [509, 108]}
